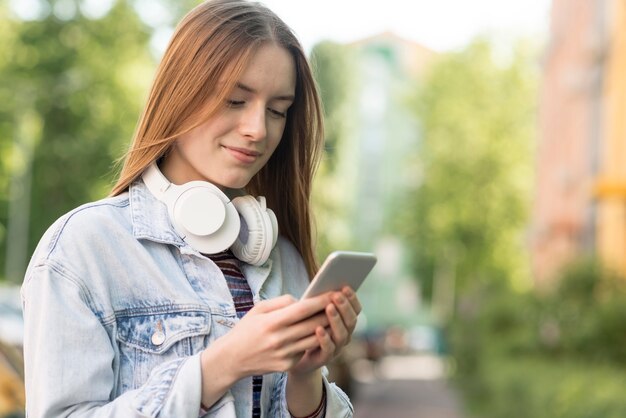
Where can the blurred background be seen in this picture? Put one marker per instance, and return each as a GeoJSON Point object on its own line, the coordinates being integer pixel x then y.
{"type": "Point", "coordinates": [478, 148]}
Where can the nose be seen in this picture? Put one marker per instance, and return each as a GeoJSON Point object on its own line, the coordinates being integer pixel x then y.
{"type": "Point", "coordinates": [252, 123]}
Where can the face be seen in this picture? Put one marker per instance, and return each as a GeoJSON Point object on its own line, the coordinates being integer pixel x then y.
{"type": "Point", "coordinates": [234, 144]}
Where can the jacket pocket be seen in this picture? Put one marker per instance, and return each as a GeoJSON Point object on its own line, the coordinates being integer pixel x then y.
{"type": "Point", "coordinates": [148, 338]}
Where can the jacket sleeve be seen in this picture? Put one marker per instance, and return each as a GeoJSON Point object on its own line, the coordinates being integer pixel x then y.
{"type": "Point", "coordinates": [69, 359]}
{"type": "Point", "coordinates": [337, 402]}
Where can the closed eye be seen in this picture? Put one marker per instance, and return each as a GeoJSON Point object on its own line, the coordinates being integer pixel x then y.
{"type": "Point", "coordinates": [235, 103]}
{"type": "Point", "coordinates": [277, 113]}
{"type": "Point", "coordinates": [239, 103]}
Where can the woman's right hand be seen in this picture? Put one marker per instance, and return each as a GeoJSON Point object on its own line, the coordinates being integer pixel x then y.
{"type": "Point", "coordinates": [271, 337]}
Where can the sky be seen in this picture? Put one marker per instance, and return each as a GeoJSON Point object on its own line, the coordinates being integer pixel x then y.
{"type": "Point", "coordinates": [442, 25]}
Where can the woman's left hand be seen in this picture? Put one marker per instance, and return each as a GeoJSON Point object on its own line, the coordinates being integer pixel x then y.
{"type": "Point", "coordinates": [342, 316]}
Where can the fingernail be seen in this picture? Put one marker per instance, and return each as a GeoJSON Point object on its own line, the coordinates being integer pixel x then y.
{"type": "Point", "coordinates": [348, 292]}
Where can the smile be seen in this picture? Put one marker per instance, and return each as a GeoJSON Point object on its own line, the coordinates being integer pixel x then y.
{"type": "Point", "coordinates": [242, 154]}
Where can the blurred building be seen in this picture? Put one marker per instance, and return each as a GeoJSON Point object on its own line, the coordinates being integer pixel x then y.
{"type": "Point", "coordinates": [580, 201]}
{"type": "Point", "coordinates": [610, 184]}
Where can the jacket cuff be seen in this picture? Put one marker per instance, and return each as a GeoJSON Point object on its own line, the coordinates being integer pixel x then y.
{"type": "Point", "coordinates": [337, 402]}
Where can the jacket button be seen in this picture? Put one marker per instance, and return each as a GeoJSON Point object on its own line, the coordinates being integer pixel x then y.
{"type": "Point", "coordinates": [158, 338]}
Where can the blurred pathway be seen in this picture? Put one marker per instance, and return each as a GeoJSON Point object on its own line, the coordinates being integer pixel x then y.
{"type": "Point", "coordinates": [405, 387]}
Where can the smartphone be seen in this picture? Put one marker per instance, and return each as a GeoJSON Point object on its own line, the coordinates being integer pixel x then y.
{"type": "Point", "coordinates": [341, 268]}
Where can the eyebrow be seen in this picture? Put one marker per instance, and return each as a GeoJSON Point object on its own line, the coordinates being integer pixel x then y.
{"type": "Point", "coordinates": [288, 97]}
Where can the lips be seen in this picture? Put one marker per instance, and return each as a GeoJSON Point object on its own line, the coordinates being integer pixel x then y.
{"type": "Point", "coordinates": [243, 155]}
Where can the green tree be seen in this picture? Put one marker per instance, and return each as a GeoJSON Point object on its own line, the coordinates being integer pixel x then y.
{"type": "Point", "coordinates": [69, 100]}
{"type": "Point", "coordinates": [330, 62]}
{"type": "Point", "coordinates": [464, 222]}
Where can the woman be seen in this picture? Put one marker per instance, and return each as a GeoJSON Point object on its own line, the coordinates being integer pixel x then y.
{"type": "Point", "coordinates": [138, 305]}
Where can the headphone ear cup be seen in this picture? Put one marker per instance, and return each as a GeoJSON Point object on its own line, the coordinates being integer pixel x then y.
{"type": "Point", "coordinates": [201, 214]}
{"type": "Point", "coordinates": [274, 221]}
{"type": "Point", "coordinates": [272, 218]}
{"type": "Point", "coordinates": [199, 211]}
{"type": "Point", "coordinates": [255, 241]}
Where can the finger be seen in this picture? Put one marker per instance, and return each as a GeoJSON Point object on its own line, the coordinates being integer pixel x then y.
{"type": "Point", "coordinates": [339, 331]}
{"type": "Point", "coordinates": [307, 343]}
{"type": "Point", "coordinates": [305, 327]}
{"type": "Point", "coordinates": [352, 298]}
{"type": "Point", "coordinates": [303, 309]}
{"type": "Point", "coordinates": [326, 343]}
{"type": "Point", "coordinates": [348, 315]}
{"type": "Point", "coordinates": [274, 304]}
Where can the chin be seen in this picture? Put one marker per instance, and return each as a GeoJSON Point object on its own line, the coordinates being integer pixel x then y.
{"type": "Point", "coordinates": [234, 183]}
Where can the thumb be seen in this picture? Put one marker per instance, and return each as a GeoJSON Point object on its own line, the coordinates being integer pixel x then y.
{"type": "Point", "coordinates": [274, 304]}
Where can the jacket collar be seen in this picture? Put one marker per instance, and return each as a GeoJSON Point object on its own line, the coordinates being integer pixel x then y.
{"type": "Point", "coordinates": [150, 217]}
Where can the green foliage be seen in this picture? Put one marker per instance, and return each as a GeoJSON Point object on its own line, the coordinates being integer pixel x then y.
{"type": "Point", "coordinates": [470, 202]}
{"type": "Point", "coordinates": [549, 355]}
{"type": "Point", "coordinates": [330, 63]}
{"type": "Point", "coordinates": [332, 73]}
{"type": "Point", "coordinates": [535, 388]}
{"type": "Point", "coordinates": [81, 82]}
{"type": "Point", "coordinates": [587, 310]}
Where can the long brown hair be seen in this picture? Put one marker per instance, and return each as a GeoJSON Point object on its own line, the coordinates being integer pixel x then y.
{"type": "Point", "coordinates": [201, 66]}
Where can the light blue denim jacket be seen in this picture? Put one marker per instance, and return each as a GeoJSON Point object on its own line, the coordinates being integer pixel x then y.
{"type": "Point", "coordinates": [118, 309]}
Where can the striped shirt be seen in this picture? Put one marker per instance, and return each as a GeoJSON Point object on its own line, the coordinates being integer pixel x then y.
{"type": "Point", "coordinates": [242, 297]}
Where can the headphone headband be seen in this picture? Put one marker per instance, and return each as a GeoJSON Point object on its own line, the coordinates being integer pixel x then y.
{"type": "Point", "coordinates": [156, 182]}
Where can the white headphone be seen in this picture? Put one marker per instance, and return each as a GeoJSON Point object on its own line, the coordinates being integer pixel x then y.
{"type": "Point", "coordinates": [210, 222]}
